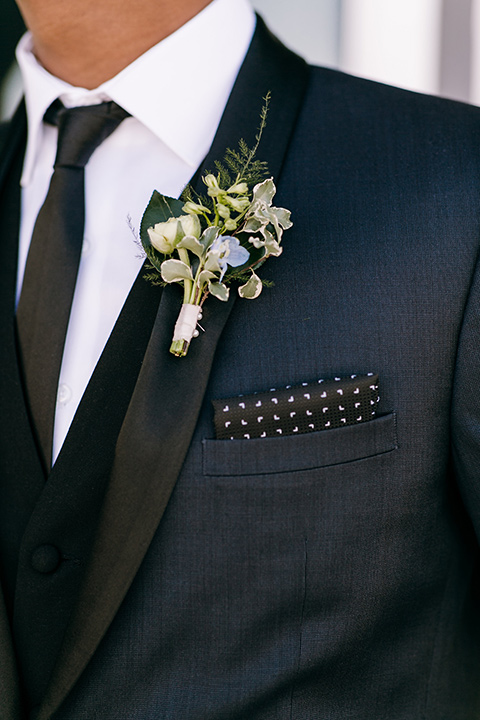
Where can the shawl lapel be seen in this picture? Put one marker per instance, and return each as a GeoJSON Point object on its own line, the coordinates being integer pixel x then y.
{"type": "Point", "coordinates": [165, 404]}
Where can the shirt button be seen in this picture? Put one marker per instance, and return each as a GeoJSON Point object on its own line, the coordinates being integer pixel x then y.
{"type": "Point", "coordinates": [64, 394]}
{"type": "Point", "coordinates": [46, 559]}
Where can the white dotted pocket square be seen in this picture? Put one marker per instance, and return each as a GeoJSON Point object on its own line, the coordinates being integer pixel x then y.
{"type": "Point", "coordinates": [297, 409]}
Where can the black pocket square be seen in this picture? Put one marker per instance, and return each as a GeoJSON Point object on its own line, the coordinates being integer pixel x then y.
{"type": "Point", "coordinates": [309, 407]}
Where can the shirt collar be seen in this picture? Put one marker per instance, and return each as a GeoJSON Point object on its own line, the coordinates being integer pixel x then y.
{"type": "Point", "coordinates": [178, 88]}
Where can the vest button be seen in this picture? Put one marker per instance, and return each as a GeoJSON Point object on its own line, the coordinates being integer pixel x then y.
{"type": "Point", "coordinates": [46, 558]}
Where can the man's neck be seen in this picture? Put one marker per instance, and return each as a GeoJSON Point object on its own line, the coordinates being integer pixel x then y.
{"type": "Point", "coordinates": [89, 41]}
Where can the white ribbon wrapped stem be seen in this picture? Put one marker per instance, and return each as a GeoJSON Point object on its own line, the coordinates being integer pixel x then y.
{"type": "Point", "coordinates": [186, 325]}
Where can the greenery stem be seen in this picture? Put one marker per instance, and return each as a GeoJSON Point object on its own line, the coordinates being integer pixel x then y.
{"type": "Point", "coordinates": [179, 348]}
{"type": "Point", "coordinates": [258, 137]}
{"type": "Point", "coordinates": [187, 284]}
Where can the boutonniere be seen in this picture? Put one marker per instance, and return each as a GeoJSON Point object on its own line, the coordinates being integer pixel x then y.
{"type": "Point", "coordinates": [205, 242]}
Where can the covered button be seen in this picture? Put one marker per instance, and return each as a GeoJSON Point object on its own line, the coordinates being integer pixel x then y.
{"type": "Point", "coordinates": [46, 558]}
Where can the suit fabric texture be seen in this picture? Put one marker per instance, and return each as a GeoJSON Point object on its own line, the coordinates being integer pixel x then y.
{"type": "Point", "coordinates": [160, 573]}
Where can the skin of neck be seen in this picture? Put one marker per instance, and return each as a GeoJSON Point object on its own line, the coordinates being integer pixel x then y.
{"type": "Point", "coordinates": [86, 42]}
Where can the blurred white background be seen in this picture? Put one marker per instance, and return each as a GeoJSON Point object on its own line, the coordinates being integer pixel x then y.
{"type": "Point", "coordinates": [425, 45]}
{"type": "Point", "coordinates": [311, 27]}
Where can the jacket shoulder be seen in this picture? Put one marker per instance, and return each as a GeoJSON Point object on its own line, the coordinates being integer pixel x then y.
{"type": "Point", "coordinates": [363, 95]}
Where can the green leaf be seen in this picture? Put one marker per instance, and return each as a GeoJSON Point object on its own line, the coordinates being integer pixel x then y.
{"type": "Point", "coordinates": [212, 263]}
{"type": "Point", "coordinates": [265, 191]}
{"type": "Point", "coordinates": [209, 235]}
{"type": "Point", "coordinates": [219, 290]}
{"type": "Point", "coordinates": [251, 289]}
{"type": "Point", "coordinates": [204, 276]}
{"type": "Point", "coordinates": [175, 271]}
{"type": "Point", "coordinates": [283, 217]}
{"type": "Point", "coordinates": [159, 209]}
{"type": "Point", "coordinates": [191, 243]}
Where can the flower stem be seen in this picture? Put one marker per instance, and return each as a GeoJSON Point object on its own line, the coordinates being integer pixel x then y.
{"type": "Point", "coordinates": [187, 284]}
{"type": "Point", "coordinates": [197, 290]}
{"type": "Point", "coordinates": [179, 348]}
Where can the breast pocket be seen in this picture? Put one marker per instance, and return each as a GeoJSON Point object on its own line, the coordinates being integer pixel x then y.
{"type": "Point", "coordinates": [300, 452]}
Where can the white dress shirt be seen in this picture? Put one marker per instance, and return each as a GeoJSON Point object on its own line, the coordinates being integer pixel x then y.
{"type": "Point", "coordinates": [176, 93]}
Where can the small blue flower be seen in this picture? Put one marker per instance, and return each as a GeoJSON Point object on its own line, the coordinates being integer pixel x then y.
{"type": "Point", "coordinates": [228, 251]}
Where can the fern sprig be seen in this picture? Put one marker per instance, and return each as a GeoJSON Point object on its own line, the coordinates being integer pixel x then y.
{"type": "Point", "coordinates": [237, 165]}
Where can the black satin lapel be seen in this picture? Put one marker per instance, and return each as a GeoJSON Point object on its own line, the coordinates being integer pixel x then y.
{"type": "Point", "coordinates": [18, 453]}
{"type": "Point", "coordinates": [163, 412]}
{"type": "Point", "coordinates": [13, 137]}
{"type": "Point", "coordinates": [71, 501]}
{"type": "Point", "coordinates": [151, 448]}
{"type": "Point", "coordinates": [13, 141]}
{"type": "Point", "coordinates": [10, 687]}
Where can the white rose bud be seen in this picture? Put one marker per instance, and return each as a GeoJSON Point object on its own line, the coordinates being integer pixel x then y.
{"type": "Point", "coordinates": [165, 235]}
{"type": "Point", "coordinates": [211, 181]}
{"type": "Point", "coordinates": [195, 208]}
{"type": "Point", "coordinates": [214, 189]}
{"type": "Point", "coordinates": [191, 225]}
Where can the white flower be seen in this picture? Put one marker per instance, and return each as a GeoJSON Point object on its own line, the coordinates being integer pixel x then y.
{"type": "Point", "coordinates": [238, 189]}
{"type": "Point", "coordinates": [165, 236]}
{"type": "Point", "coordinates": [191, 225]}
{"type": "Point", "coordinates": [213, 187]}
{"type": "Point", "coordinates": [195, 208]}
{"type": "Point", "coordinates": [211, 181]}
{"type": "Point", "coordinates": [237, 204]}
{"type": "Point", "coordinates": [223, 211]}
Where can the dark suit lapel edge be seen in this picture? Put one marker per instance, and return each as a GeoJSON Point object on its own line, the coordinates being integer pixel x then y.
{"type": "Point", "coordinates": [10, 694]}
{"type": "Point", "coordinates": [163, 412]}
{"type": "Point", "coordinates": [11, 138]}
{"type": "Point", "coordinates": [11, 135]}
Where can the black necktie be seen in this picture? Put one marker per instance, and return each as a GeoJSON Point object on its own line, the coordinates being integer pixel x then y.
{"type": "Point", "coordinates": [52, 263]}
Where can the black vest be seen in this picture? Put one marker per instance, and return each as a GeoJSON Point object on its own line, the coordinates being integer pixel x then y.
{"type": "Point", "coordinates": [41, 518]}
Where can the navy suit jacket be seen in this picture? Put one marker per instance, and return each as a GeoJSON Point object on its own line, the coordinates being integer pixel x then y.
{"type": "Point", "coordinates": [159, 573]}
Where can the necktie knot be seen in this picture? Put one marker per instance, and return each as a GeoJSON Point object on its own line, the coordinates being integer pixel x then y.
{"type": "Point", "coordinates": [82, 129]}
